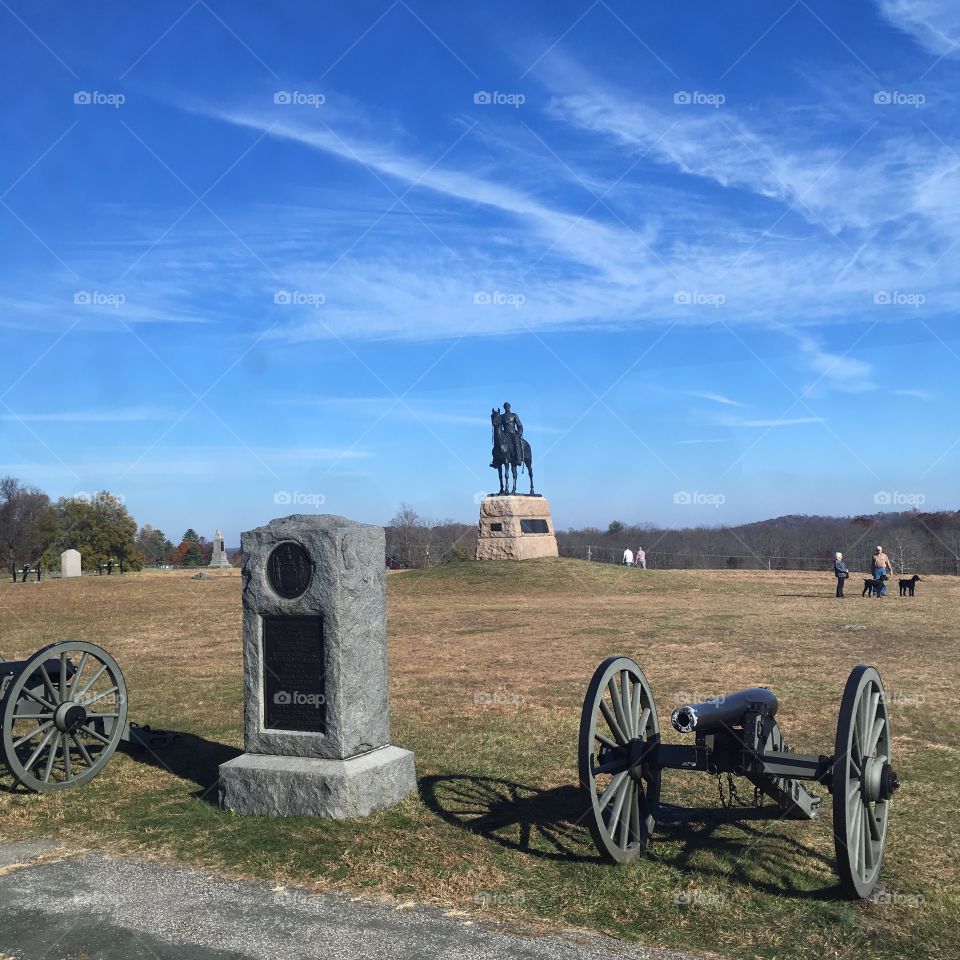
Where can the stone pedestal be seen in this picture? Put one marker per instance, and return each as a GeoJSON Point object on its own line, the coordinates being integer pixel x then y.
{"type": "Point", "coordinates": [70, 563]}
{"type": "Point", "coordinates": [219, 556]}
{"type": "Point", "coordinates": [515, 528]}
{"type": "Point", "coordinates": [316, 717]}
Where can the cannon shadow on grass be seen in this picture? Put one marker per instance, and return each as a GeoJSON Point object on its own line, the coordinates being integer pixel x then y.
{"type": "Point", "coordinates": [551, 824]}
{"type": "Point", "coordinates": [189, 757]}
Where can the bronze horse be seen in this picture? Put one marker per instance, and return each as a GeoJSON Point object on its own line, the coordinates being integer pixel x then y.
{"type": "Point", "coordinates": [505, 456]}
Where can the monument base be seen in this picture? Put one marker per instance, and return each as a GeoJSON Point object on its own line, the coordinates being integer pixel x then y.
{"type": "Point", "coordinates": [267, 785]}
{"type": "Point", "coordinates": [515, 528]}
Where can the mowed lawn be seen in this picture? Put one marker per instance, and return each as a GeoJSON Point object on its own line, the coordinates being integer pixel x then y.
{"type": "Point", "coordinates": [489, 665]}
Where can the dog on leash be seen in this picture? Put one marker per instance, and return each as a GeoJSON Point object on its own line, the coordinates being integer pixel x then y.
{"type": "Point", "coordinates": [871, 587]}
{"type": "Point", "coordinates": [909, 585]}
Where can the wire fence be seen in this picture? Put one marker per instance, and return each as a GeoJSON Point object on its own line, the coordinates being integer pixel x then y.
{"type": "Point", "coordinates": [660, 560]}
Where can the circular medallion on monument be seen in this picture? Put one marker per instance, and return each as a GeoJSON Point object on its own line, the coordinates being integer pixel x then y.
{"type": "Point", "coordinates": [289, 570]}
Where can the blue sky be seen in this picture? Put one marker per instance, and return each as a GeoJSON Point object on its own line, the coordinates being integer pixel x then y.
{"type": "Point", "coordinates": [260, 258]}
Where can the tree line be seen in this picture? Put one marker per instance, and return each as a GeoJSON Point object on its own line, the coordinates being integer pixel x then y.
{"type": "Point", "coordinates": [916, 542]}
{"type": "Point", "coordinates": [34, 529]}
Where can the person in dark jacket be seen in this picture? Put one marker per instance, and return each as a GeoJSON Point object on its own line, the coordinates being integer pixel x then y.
{"type": "Point", "coordinates": [39, 571]}
{"type": "Point", "coordinates": [841, 572]}
{"type": "Point", "coordinates": [13, 570]}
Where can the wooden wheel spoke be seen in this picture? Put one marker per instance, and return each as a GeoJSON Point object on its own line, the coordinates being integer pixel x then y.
{"type": "Point", "coordinates": [83, 750]}
{"type": "Point", "coordinates": [630, 795]}
{"type": "Point", "coordinates": [48, 683]}
{"type": "Point", "coordinates": [618, 709]}
{"type": "Point", "coordinates": [603, 801]}
{"type": "Point", "coordinates": [637, 708]}
{"type": "Point", "coordinates": [875, 733]}
{"type": "Point", "coordinates": [623, 789]}
{"type": "Point", "coordinates": [43, 703]}
{"type": "Point", "coordinates": [606, 741]}
{"type": "Point", "coordinates": [63, 676]}
{"type": "Point", "coordinates": [79, 696]}
{"type": "Point", "coordinates": [614, 726]}
{"type": "Point", "coordinates": [96, 736]}
{"type": "Point", "coordinates": [644, 720]}
{"type": "Point", "coordinates": [611, 766]}
{"type": "Point", "coordinates": [79, 671]}
{"type": "Point", "coordinates": [39, 729]}
{"type": "Point", "coordinates": [625, 703]}
{"type": "Point", "coordinates": [51, 757]}
{"type": "Point", "coordinates": [36, 753]}
{"type": "Point", "coordinates": [67, 762]}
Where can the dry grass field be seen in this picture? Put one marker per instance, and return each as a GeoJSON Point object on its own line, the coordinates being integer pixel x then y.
{"type": "Point", "coordinates": [489, 665]}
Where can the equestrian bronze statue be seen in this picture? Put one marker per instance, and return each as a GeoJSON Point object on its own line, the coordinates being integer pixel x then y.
{"type": "Point", "coordinates": [510, 450]}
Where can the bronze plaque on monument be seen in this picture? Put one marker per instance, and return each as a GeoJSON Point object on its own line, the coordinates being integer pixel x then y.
{"type": "Point", "coordinates": [294, 692]}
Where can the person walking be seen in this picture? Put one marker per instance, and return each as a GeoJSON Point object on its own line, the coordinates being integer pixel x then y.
{"type": "Point", "coordinates": [39, 571]}
{"type": "Point", "coordinates": [841, 572]}
{"type": "Point", "coordinates": [110, 567]}
{"type": "Point", "coordinates": [882, 570]}
{"type": "Point", "coordinates": [641, 558]}
{"type": "Point", "coordinates": [628, 557]}
{"type": "Point", "coordinates": [26, 571]}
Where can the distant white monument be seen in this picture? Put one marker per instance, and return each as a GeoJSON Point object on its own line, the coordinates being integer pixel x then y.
{"type": "Point", "coordinates": [70, 563]}
{"type": "Point", "coordinates": [219, 558]}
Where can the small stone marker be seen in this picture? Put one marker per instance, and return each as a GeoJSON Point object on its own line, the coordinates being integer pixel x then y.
{"type": "Point", "coordinates": [316, 716]}
{"type": "Point", "coordinates": [70, 563]}
{"type": "Point", "coordinates": [219, 556]}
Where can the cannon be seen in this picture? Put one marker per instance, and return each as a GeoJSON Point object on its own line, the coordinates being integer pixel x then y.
{"type": "Point", "coordinates": [63, 712]}
{"type": "Point", "coordinates": [621, 757]}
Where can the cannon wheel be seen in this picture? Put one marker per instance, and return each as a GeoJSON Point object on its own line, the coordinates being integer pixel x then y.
{"type": "Point", "coordinates": [618, 727]}
{"type": "Point", "coordinates": [62, 716]}
{"type": "Point", "coordinates": [863, 781]}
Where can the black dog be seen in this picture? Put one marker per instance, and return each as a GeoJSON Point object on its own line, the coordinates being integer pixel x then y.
{"type": "Point", "coordinates": [908, 586]}
{"type": "Point", "coordinates": [871, 587]}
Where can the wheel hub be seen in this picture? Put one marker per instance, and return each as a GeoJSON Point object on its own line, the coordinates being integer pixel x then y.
{"type": "Point", "coordinates": [879, 781]}
{"type": "Point", "coordinates": [70, 717]}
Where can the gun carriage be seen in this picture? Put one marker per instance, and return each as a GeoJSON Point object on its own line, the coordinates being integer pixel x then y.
{"type": "Point", "coordinates": [63, 712]}
{"type": "Point", "coordinates": [621, 757]}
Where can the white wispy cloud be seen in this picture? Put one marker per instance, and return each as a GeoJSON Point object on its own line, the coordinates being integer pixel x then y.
{"type": "Point", "coordinates": [769, 424]}
{"type": "Point", "coordinates": [716, 398]}
{"type": "Point", "coordinates": [915, 394]}
{"type": "Point", "coordinates": [118, 415]}
{"type": "Point", "coordinates": [934, 24]}
{"type": "Point", "coordinates": [839, 371]}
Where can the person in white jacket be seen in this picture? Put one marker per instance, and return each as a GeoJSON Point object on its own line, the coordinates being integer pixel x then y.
{"type": "Point", "coordinates": [628, 557]}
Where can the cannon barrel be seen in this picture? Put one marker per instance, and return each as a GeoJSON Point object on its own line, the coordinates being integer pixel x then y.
{"type": "Point", "coordinates": [721, 711]}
